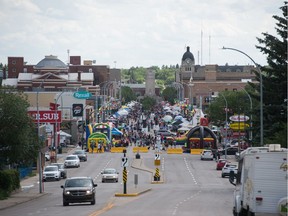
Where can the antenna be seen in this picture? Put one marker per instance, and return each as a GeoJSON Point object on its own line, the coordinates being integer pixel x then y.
{"type": "Point", "coordinates": [68, 62]}
{"type": "Point", "coordinates": [201, 46]}
{"type": "Point", "coordinates": [209, 48]}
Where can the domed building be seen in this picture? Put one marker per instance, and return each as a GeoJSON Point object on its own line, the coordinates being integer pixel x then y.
{"type": "Point", "coordinates": [51, 64]}
{"type": "Point", "coordinates": [198, 84]}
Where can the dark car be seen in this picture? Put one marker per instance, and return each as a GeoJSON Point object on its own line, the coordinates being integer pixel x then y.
{"type": "Point", "coordinates": [79, 190]}
{"type": "Point", "coordinates": [81, 154]}
{"type": "Point", "coordinates": [230, 151]}
{"type": "Point", "coordinates": [62, 169]}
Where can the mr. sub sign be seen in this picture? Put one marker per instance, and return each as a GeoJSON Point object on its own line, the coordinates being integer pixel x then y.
{"type": "Point", "coordinates": [46, 116]}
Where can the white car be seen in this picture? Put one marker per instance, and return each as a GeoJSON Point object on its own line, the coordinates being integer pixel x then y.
{"type": "Point", "coordinates": [51, 172]}
{"type": "Point", "coordinates": [109, 174]}
{"type": "Point", "coordinates": [207, 155]}
{"type": "Point", "coordinates": [72, 161]}
{"type": "Point", "coordinates": [228, 167]}
{"type": "Point", "coordinates": [47, 156]}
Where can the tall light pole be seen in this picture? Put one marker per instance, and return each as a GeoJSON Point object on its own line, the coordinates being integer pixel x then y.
{"type": "Point", "coordinates": [226, 117]}
{"type": "Point", "coordinates": [38, 132]}
{"type": "Point", "coordinates": [251, 107]}
{"type": "Point", "coordinates": [261, 90]}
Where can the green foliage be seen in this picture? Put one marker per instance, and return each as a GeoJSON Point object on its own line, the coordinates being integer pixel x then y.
{"type": "Point", "coordinates": [148, 103]}
{"type": "Point", "coordinates": [237, 103]}
{"type": "Point", "coordinates": [169, 94]}
{"type": "Point", "coordinates": [127, 94]}
{"type": "Point", "coordinates": [18, 136]}
{"type": "Point", "coordinates": [274, 82]}
{"type": "Point", "coordinates": [9, 181]}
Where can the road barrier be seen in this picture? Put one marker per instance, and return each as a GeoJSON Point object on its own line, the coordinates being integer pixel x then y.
{"type": "Point", "coordinates": [139, 149]}
{"type": "Point", "coordinates": [196, 151]}
{"type": "Point", "coordinates": [174, 151]}
{"type": "Point", "coordinates": [117, 149]}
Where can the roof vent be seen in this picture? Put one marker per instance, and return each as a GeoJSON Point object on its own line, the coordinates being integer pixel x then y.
{"type": "Point", "coordinates": [274, 147]}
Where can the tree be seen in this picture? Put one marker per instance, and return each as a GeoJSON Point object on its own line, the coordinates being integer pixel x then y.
{"type": "Point", "coordinates": [237, 103]}
{"type": "Point", "coordinates": [148, 103]}
{"type": "Point", "coordinates": [18, 137]}
{"type": "Point", "coordinates": [169, 94]}
{"type": "Point", "coordinates": [274, 81]}
{"type": "Point", "coordinates": [127, 94]}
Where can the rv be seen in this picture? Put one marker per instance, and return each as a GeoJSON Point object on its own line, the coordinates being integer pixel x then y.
{"type": "Point", "coordinates": [261, 182]}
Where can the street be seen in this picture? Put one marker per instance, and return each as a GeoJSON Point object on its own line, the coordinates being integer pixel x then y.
{"type": "Point", "coordinates": [190, 187]}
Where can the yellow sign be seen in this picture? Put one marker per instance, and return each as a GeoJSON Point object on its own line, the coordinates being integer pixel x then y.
{"type": "Point", "coordinates": [239, 126]}
{"type": "Point", "coordinates": [157, 162]}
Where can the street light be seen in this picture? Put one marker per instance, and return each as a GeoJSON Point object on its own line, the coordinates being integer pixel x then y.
{"type": "Point", "coordinates": [226, 117]}
{"type": "Point", "coordinates": [38, 132]}
{"type": "Point", "coordinates": [251, 107]}
{"type": "Point", "coordinates": [190, 92]}
{"type": "Point", "coordinates": [261, 90]}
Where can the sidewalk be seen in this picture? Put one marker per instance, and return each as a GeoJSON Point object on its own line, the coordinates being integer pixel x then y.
{"type": "Point", "coordinates": [29, 188]}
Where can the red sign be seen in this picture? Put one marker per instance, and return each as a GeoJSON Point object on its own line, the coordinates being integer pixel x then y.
{"type": "Point", "coordinates": [53, 106]}
{"type": "Point", "coordinates": [46, 116]}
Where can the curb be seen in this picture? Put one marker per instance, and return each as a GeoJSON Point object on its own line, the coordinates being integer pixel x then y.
{"type": "Point", "coordinates": [132, 194]}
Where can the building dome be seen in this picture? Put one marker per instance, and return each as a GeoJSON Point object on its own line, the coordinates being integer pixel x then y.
{"type": "Point", "coordinates": [51, 62]}
{"type": "Point", "coordinates": [188, 54]}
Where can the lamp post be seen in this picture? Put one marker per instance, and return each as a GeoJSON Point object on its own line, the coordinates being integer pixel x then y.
{"type": "Point", "coordinates": [226, 117]}
{"type": "Point", "coordinates": [251, 107]}
{"type": "Point", "coordinates": [56, 127]}
{"type": "Point", "coordinates": [38, 132]}
{"type": "Point", "coordinates": [261, 90]}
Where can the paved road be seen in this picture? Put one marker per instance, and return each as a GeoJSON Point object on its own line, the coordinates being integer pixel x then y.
{"type": "Point", "coordinates": [190, 187]}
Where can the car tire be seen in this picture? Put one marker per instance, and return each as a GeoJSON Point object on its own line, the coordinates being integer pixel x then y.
{"type": "Point", "coordinates": [223, 176]}
{"type": "Point", "coordinates": [58, 179]}
{"type": "Point", "coordinates": [65, 203]}
{"type": "Point", "coordinates": [93, 202]}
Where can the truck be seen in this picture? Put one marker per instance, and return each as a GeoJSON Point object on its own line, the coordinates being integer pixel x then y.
{"type": "Point", "coordinates": [261, 182]}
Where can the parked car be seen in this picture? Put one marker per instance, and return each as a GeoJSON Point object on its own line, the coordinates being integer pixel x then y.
{"type": "Point", "coordinates": [221, 163]}
{"type": "Point", "coordinates": [62, 169]}
{"type": "Point", "coordinates": [51, 172]}
{"type": "Point", "coordinates": [81, 154]}
{"type": "Point", "coordinates": [228, 167]}
{"type": "Point", "coordinates": [109, 174]}
{"type": "Point", "coordinates": [231, 151]}
{"type": "Point", "coordinates": [47, 156]}
{"type": "Point", "coordinates": [79, 190]}
{"type": "Point", "coordinates": [207, 155]}
{"type": "Point", "coordinates": [72, 161]}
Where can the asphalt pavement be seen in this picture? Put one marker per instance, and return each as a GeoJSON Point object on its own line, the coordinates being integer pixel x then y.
{"type": "Point", "coordinates": [30, 187]}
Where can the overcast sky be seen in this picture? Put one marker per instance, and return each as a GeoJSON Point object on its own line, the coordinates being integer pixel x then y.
{"type": "Point", "coordinates": [126, 33]}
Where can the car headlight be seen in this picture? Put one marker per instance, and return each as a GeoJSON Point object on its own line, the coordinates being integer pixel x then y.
{"type": "Point", "coordinates": [67, 192]}
{"type": "Point", "coordinates": [88, 192]}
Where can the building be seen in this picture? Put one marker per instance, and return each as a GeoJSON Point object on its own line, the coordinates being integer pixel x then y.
{"type": "Point", "coordinates": [200, 83]}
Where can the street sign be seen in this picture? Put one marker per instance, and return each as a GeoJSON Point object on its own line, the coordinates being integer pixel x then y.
{"type": "Point", "coordinates": [124, 162]}
{"type": "Point", "coordinates": [82, 95]}
{"type": "Point", "coordinates": [240, 118]}
{"type": "Point", "coordinates": [157, 156]}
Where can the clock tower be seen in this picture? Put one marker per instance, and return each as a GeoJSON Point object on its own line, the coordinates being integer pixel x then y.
{"type": "Point", "coordinates": [187, 66]}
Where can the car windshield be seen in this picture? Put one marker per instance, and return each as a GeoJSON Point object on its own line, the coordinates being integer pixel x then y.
{"type": "Point", "coordinates": [109, 171]}
{"type": "Point", "coordinates": [51, 168]}
{"type": "Point", "coordinates": [78, 183]}
{"type": "Point", "coordinates": [60, 166]}
{"type": "Point", "coordinates": [71, 158]}
{"type": "Point", "coordinates": [78, 152]}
